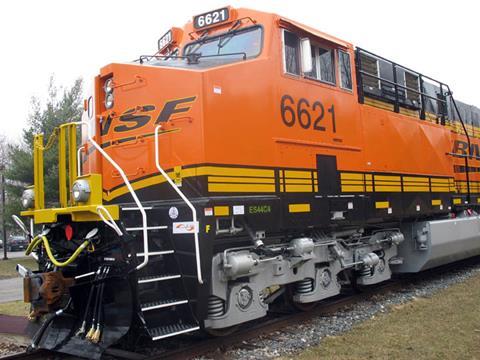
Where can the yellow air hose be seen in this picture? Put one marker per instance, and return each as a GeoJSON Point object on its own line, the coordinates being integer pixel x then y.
{"type": "Point", "coordinates": [43, 239]}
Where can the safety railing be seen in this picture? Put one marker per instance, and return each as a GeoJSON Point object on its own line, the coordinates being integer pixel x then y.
{"type": "Point", "coordinates": [67, 147]}
{"type": "Point", "coordinates": [130, 189]}
{"type": "Point", "coordinates": [441, 97]}
{"type": "Point", "coordinates": [185, 199]}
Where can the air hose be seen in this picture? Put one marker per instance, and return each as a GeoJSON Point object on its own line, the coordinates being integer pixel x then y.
{"type": "Point", "coordinates": [43, 239]}
{"type": "Point", "coordinates": [83, 326]}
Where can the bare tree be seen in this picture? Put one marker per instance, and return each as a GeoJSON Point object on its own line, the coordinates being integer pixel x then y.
{"type": "Point", "coordinates": [3, 152]}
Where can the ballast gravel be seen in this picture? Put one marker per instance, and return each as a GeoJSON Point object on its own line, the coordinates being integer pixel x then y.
{"type": "Point", "coordinates": [297, 338]}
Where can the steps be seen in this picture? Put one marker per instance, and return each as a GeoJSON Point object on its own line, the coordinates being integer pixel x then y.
{"type": "Point", "coordinates": [163, 332]}
{"type": "Point", "coordinates": [162, 304]}
{"type": "Point", "coordinates": [165, 308]}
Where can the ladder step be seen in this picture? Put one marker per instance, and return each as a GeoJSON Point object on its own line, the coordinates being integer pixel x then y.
{"type": "Point", "coordinates": [148, 228]}
{"type": "Point", "coordinates": [171, 330]}
{"type": "Point", "coordinates": [149, 279]}
{"type": "Point", "coordinates": [162, 304]}
{"type": "Point", "coordinates": [156, 253]}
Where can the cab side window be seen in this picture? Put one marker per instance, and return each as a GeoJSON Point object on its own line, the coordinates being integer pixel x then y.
{"type": "Point", "coordinates": [291, 53]}
{"type": "Point", "coordinates": [345, 70]}
{"type": "Point", "coordinates": [323, 68]}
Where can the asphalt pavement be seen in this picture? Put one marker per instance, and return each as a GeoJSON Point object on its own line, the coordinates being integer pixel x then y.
{"type": "Point", "coordinates": [11, 289]}
{"type": "Point", "coordinates": [13, 254]}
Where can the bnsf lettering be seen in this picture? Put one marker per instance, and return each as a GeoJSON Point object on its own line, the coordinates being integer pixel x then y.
{"type": "Point", "coordinates": [171, 108]}
{"type": "Point", "coordinates": [133, 120]}
{"type": "Point", "coordinates": [138, 117]}
{"type": "Point", "coordinates": [461, 147]}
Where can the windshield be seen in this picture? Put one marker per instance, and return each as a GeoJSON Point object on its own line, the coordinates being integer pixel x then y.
{"type": "Point", "coordinates": [230, 46]}
{"type": "Point", "coordinates": [247, 41]}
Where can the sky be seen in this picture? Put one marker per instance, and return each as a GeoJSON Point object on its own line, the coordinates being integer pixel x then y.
{"type": "Point", "coordinates": [72, 39]}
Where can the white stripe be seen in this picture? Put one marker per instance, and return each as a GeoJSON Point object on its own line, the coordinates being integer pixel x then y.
{"type": "Point", "coordinates": [148, 228]}
{"type": "Point", "coordinates": [160, 278]}
{"type": "Point", "coordinates": [84, 275]}
{"type": "Point", "coordinates": [155, 253]}
{"type": "Point", "coordinates": [165, 305]}
{"type": "Point", "coordinates": [175, 333]}
{"type": "Point", "coordinates": [136, 208]}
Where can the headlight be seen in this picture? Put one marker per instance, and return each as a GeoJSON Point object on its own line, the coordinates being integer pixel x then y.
{"type": "Point", "coordinates": [81, 191]}
{"type": "Point", "coordinates": [108, 86]}
{"type": "Point", "coordinates": [28, 199]}
{"type": "Point", "coordinates": [109, 101]}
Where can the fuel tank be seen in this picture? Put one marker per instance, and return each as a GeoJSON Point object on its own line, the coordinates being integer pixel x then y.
{"type": "Point", "coordinates": [433, 243]}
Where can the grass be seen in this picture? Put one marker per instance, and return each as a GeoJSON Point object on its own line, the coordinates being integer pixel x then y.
{"type": "Point", "coordinates": [444, 326]}
{"type": "Point", "coordinates": [7, 267]}
{"type": "Point", "coordinates": [14, 308]}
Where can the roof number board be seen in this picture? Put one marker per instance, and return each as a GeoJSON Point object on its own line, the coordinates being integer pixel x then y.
{"type": "Point", "coordinates": [211, 18]}
{"type": "Point", "coordinates": [165, 40]}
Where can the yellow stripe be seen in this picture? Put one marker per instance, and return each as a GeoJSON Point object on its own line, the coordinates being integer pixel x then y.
{"type": "Point", "coordinates": [298, 188]}
{"type": "Point", "coordinates": [382, 204]}
{"type": "Point", "coordinates": [387, 178]}
{"type": "Point", "coordinates": [436, 202]}
{"type": "Point", "coordinates": [478, 200]}
{"type": "Point", "coordinates": [190, 172]}
{"type": "Point", "coordinates": [353, 188]}
{"type": "Point", "coordinates": [369, 188]}
{"type": "Point", "coordinates": [440, 189]}
{"type": "Point", "coordinates": [457, 201]}
{"type": "Point", "coordinates": [377, 103]}
{"type": "Point", "coordinates": [369, 177]}
{"type": "Point", "coordinates": [388, 183]}
{"type": "Point", "coordinates": [296, 181]}
{"type": "Point", "coordinates": [298, 174]}
{"type": "Point", "coordinates": [219, 187]}
{"type": "Point", "coordinates": [231, 171]}
{"type": "Point", "coordinates": [224, 179]}
{"type": "Point", "coordinates": [388, 188]}
{"type": "Point", "coordinates": [351, 176]}
{"type": "Point", "coordinates": [439, 181]}
{"type": "Point", "coordinates": [351, 182]}
{"type": "Point", "coordinates": [408, 112]}
{"type": "Point", "coordinates": [416, 188]}
{"type": "Point", "coordinates": [221, 210]}
{"type": "Point", "coordinates": [296, 208]}
{"type": "Point", "coordinates": [415, 179]}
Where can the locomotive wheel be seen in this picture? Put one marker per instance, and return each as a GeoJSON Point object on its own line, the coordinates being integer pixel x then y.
{"type": "Point", "coordinates": [304, 307]}
{"type": "Point", "coordinates": [222, 332]}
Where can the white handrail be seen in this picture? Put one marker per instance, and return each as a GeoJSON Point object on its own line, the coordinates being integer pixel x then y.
{"type": "Point", "coordinates": [184, 198]}
{"type": "Point", "coordinates": [130, 189]}
{"type": "Point", "coordinates": [108, 220]}
{"type": "Point", "coordinates": [79, 160]}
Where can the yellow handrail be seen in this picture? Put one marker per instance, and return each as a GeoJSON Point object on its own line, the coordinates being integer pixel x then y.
{"type": "Point", "coordinates": [38, 183]}
{"type": "Point", "coordinates": [67, 138]}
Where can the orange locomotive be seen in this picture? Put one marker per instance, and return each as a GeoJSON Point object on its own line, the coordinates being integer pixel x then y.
{"type": "Point", "coordinates": [250, 157]}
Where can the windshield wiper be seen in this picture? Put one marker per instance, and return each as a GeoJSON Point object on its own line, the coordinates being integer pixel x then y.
{"type": "Point", "coordinates": [201, 40]}
{"type": "Point", "coordinates": [225, 39]}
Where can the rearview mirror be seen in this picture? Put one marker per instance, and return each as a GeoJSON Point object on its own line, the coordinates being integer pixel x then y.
{"type": "Point", "coordinates": [306, 54]}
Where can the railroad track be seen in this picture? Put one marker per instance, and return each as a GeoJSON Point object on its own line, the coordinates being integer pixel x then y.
{"type": "Point", "coordinates": [195, 346]}
{"type": "Point", "coordinates": [200, 347]}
